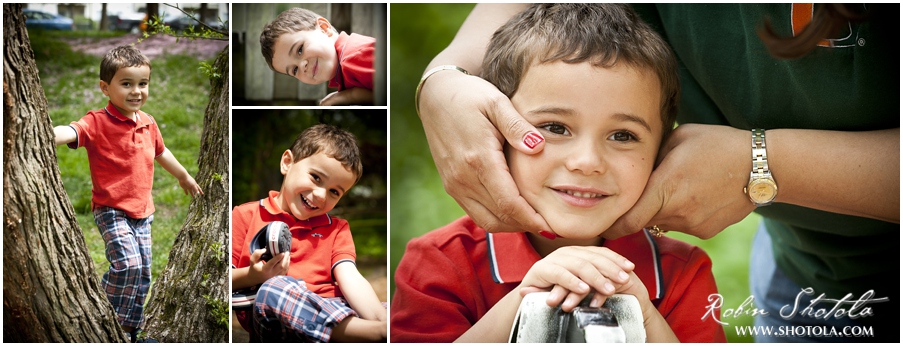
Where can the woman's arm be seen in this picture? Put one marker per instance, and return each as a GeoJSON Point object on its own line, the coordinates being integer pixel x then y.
{"type": "Point", "coordinates": [698, 186]}
{"type": "Point", "coordinates": [461, 114]}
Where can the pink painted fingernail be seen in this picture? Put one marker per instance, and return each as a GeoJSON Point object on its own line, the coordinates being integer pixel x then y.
{"type": "Point", "coordinates": [548, 235]}
{"type": "Point", "coordinates": [532, 139]}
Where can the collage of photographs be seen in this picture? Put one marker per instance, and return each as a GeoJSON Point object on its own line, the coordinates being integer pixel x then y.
{"type": "Point", "coordinates": [450, 172]}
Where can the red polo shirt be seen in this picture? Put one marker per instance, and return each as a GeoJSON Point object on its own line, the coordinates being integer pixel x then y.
{"type": "Point", "coordinates": [121, 154]}
{"type": "Point", "coordinates": [355, 62]}
{"type": "Point", "coordinates": [318, 244]}
{"type": "Point", "coordinates": [449, 278]}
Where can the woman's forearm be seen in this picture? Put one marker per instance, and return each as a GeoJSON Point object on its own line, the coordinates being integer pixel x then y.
{"type": "Point", "coordinates": [855, 173]}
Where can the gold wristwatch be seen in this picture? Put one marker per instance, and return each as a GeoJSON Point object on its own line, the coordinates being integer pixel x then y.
{"type": "Point", "coordinates": [762, 189]}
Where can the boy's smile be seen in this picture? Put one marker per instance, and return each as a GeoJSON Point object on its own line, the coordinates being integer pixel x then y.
{"type": "Point", "coordinates": [309, 55]}
{"type": "Point", "coordinates": [602, 128]}
{"type": "Point", "coordinates": [313, 185]}
{"type": "Point", "coordinates": [128, 89]}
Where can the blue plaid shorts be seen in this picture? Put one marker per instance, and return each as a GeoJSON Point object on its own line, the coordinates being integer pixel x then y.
{"type": "Point", "coordinates": [128, 248]}
{"type": "Point", "coordinates": [285, 311]}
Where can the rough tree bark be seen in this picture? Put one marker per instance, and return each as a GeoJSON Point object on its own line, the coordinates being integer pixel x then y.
{"type": "Point", "coordinates": [189, 302]}
{"type": "Point", "coordinates": [50, 289]}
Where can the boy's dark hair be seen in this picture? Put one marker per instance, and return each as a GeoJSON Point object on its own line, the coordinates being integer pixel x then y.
{"type": "Point", "coordinates": [119, 57]}
{"type": "Point", "coordinates": [332, 141]}
{"type": "Point", "coordinates": [289, 21]}
{"type": "Point", "coordinates": [602, 34]}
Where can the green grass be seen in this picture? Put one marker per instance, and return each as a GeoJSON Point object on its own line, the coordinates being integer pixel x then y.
{"type": "Point", "coordinates": [418, 201]}
{"type": "Point", "coordinates": [177, 100]}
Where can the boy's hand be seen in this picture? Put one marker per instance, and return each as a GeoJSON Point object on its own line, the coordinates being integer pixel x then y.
{"type": "Point", "coordinates": [264, 270]}
{"type": "Point", "coordinates": [571, 272]}
{"type": "Point", "coordinates": [190, 186]}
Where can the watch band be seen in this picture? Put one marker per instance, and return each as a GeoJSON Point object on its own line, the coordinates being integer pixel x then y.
{"type": "Point", "coordinates": [759, 155]}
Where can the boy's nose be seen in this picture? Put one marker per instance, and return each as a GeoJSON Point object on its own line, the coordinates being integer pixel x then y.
{"type": "Point", "coordinates": [587, 158]}
{"type": "Point", "coordinates": [319, 195]}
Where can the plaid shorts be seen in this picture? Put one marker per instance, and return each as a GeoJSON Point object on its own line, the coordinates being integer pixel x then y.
{"type": "Point", "coordinates": [285, 311]}
{"type": "Point", "coordinates": [128, 248]}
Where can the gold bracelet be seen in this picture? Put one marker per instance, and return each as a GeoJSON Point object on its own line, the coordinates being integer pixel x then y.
{"type": "Point", "coordinates": [427, 75]}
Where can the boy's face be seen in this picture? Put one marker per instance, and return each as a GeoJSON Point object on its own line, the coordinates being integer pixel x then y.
{"type": "Point", "coordinates": [309, 56]}
{"type": "Point", "coordinates": [128, 89]}
{"type": "Point", "coordinates": [313, 185]}
{"type": "Point", "coordinates": [602, 128]}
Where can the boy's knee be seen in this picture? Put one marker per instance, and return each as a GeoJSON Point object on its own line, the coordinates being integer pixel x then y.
{"type": "Point", "coordinates": [131, 265]}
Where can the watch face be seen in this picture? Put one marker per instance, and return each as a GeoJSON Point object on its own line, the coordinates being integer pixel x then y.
{"type": "Point", "coordinates": [762, 190]}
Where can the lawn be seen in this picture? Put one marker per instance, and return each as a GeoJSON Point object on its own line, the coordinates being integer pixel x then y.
{"type": "Point", "coordinates": [418, 200]}
{"type": "Point", "coordinates": [177, 100]}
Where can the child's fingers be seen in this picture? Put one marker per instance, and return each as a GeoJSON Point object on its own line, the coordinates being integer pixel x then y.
{"type": "Point", "coordinates": [557, 295]}
{"type": "Point", "coordinates": [610, 263]}
{"type": "Point", "coordinates": [572, 301]}
{"type": "Point", "coordinates": [255, 256]}
{"type": "Point", "coordinates": [598, 300]}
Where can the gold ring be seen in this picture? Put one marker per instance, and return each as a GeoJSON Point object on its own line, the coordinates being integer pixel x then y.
{"type": "Point", "coordinates": [657, 232]}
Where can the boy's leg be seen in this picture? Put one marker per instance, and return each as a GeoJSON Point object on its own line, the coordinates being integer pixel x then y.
{"type": "Point", "coordinates": [286, 311]}
{"type": "Point", "coordinates": [142, 228]}
{"type": "Point", "coordinates": [122, 281]}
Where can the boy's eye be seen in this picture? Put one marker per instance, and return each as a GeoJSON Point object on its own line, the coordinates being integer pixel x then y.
{"type": "Point", "coordinates": [335, 192]}
{"type": "Point", "coordinates": [315, 177]}
{"type": "Point", "coordinates": [300, 49]}
{"type": "Point", "coordinates": [295, 71]}
{"type": "Point", "coordinates": [555, 128]}
{"type": "Point", "coordinates": [622, 136]}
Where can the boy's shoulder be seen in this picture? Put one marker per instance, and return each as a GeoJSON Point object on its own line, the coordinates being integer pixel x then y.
{"type": "Point", "coordinates": [680, 250]}
{"type": "Point", "coordinates": [463, 231]}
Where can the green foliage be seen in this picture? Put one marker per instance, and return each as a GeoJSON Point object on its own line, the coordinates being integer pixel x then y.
{"type": "Point", "coordinates": [156, 26]}
{"type": "Point", "coordinates": [219, 309]}
{"type": "Point", "coordinates": [217, 177]}
{"type": "Point", "coordinates": [218, 253]}
{"type": "Point", "coordinates": [419, 202]}
{"type": "Point", "coordinates": [209, 70]}
{"type": "Point", "coordinates": [177, 100]}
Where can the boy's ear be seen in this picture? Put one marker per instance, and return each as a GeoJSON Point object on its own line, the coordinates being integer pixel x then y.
{"type": "Point", "coordinates": [104, 87]}
{"type": "Point", "coordinates": [324, 25]}
{"type": "Point", "coordinates": [286, 162]}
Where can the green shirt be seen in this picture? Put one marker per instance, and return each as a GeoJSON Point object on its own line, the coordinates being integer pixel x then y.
{"type": "Point", "coordinates": [729, 78]}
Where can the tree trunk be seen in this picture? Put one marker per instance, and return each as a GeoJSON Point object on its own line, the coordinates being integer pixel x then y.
{"type": "Point", "coordinates": [50, 290]}
{"type": "Point", "coordinates": [190, 300]}
{"type": "Point", "coordinates": [104, 22]}
{"type": "Point", "coordinates": [202, 16]}
{"type": "Point", "coordinates": [152, 9]}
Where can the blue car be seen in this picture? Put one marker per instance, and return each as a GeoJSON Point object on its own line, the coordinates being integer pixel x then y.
{"type": "Point", "coordinates": [35, 19]}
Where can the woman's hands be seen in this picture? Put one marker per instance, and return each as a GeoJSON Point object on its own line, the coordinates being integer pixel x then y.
{"type": "Point", "coordinates": [460, 114]}
{"type": "Point", "coordinates": [697, 187]}
{"type": "Point", "coordinates": [573, 272]}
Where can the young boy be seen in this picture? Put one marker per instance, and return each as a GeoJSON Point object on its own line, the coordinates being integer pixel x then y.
{"type": "Point", "coordinates": [314, 292]}
{"type": "Point", "coordinates": [304, 45]}
{"type": "Point", "coordinates": [123, 143]}
{"type": "Point", "coordinates": [602, 88]}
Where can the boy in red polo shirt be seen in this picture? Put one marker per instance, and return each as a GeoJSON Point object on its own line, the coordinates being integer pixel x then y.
{"type": "Point", "coordinates": [314, 292]}
{"type": "Point", "coordinates": [123, 143]}
{"type": "Point", "coordinates": [601, 88]}
{"type": "Point", "coordinates": [302, 44]}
